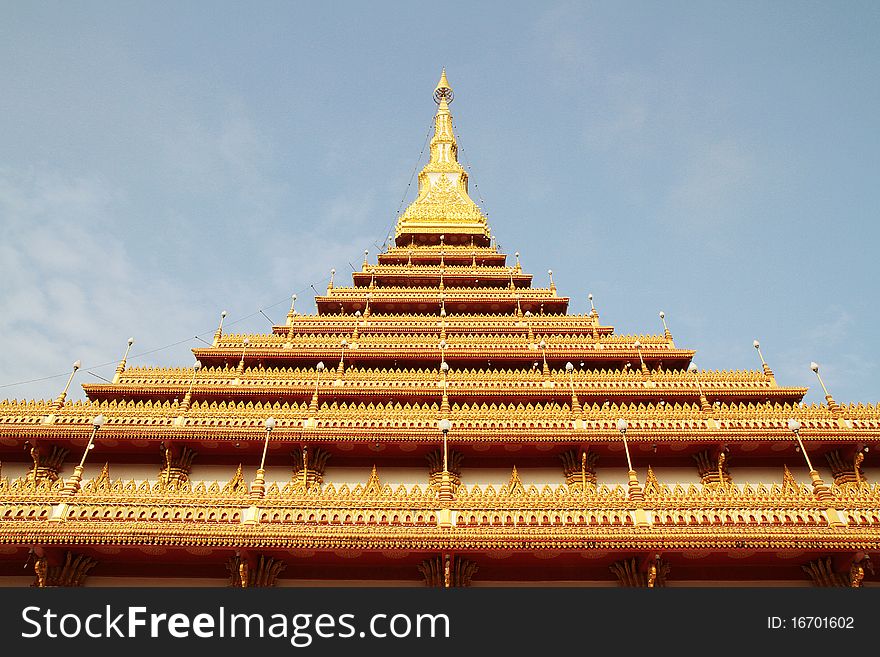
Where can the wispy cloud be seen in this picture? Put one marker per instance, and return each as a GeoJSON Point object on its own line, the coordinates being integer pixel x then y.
{"type": "Point", "coordinates": [69, 289]}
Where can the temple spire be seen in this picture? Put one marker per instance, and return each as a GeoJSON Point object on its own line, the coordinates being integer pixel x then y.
{"type": "Point", "coordinates": [443, 206]}
{"type": "Point", "coordinates": [444, 148]}
{"type": "Point", "coordinates": [443, 91]}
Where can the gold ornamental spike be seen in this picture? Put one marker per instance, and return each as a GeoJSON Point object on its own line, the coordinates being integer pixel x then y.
{"type": "Point", "coordinates": [443, 91]}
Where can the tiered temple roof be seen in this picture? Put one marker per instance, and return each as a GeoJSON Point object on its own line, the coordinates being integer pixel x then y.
{"type": "Point", "coordinates": [444, 327]}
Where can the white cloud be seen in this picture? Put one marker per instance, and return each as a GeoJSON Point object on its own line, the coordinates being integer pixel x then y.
{"type": "Point", "coordinates": [69, 290]}
{"type": "Point", "coordinates": [74, 288]}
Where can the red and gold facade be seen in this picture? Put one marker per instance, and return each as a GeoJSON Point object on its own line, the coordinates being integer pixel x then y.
{"type": "Point", "coordinates": [316, 454]}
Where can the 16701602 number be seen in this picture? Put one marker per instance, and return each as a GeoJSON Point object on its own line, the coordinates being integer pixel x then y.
{"type": "Point", "coordinates": [822, 622]}
{"type": "Point", "coordinates": [811, 623]}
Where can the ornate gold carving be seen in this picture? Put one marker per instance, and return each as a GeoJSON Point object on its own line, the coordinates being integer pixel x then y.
{"type": "Point", "coordinates": [713, 468]}
{"type": "Point", "coordinates": [447, 571]}
{"type": "Point", "coordinates": [47, 466]}
{"type": "Point", "coordinates": [237, 484]}
{"type": "Point", "coordinates": [857, 570]}
{"type": "Point", "coordinates": [176, 467]}
{"type": "Point", "coordinates": [72, 572]}
{"type": "Point", "coordinates": [374, 486]}
{"type": "Point", "coordinates": [652, 486]}
{"type": "Point", "coordinates": [788, 482]}
{"type": "Point", "coordinates": [823, 574]}
{"type": "Point", "coordinates": [262, 573]}
{"type": "Point", "coordinates": [41, 570]}
{"type": "Point", "coordinates": [650, 574]}
{"type": "Point", "coordinates": [514, 487]}
{"type": "Point", "coordinates": [847, 471]}
{"type": "Point", "coordinates": [435, 468]}
{"type": "Point", "coordinates": [579, 468]}
{"type": "Point", "coordinates": [315, 460]}
{"type": "Point", "coordinates": [103, 482]}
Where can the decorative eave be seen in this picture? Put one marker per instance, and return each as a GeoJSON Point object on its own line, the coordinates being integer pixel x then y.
{"type": "Point", "coordinates": [457, 323]}
{"type": "Point", "coordinates": [353, 537]}
{"type": "Point", "coordinates": [352, 389]}
{"type": "Point", "coordinates": [500, 353]}
{"type": "Point", "coordinates": [453, 254]}
{"type": "Point", "coordinates": [766, 517]}
{"type": "Point", "coordinates": [396, 423]}
{"type": "Point", "coordinates": [430, 277]}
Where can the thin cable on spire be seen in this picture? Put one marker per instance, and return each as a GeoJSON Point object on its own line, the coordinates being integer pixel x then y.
{"type": "Point", "coordinates": [98, 376]}
{"type": "Point", "coordinates": [413, 174]}
{"type": "Point", "coordinates": [467, 164]}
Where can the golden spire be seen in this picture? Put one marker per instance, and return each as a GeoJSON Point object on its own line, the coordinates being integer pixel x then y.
{"type": "Point", "coordinates": [443, 91]}
{"type": "Point", "coordinates": [443, 206]}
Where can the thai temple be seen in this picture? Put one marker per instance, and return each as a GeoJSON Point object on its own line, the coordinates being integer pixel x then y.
{"type": "Point", "coordinates": [440, 421]}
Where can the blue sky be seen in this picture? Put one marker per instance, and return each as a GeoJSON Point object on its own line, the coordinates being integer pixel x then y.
{"type": "Point", "coordinates": [160, 162]}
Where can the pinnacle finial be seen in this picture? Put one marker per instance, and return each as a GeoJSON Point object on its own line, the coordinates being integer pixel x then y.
{"type": "Point", "coordinates": [443, 91]}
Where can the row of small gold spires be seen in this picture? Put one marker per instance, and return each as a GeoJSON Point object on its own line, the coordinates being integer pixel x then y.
{"type": "Point", "coordinates": [769, 414]}
{"type": "Point", "coordinates": [629, 376]}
